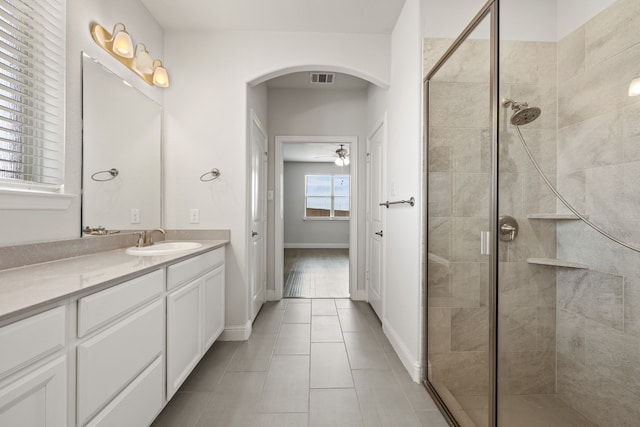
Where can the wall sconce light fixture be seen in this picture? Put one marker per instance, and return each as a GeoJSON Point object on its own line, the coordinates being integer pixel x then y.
{"type": "Point", "coordinates": [634, 86]}
{"type": "Point", "coordinates": [138, 60]}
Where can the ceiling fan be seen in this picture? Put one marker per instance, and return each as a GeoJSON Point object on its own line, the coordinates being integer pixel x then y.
{"type": "Point", "coordinates": [341, 156]}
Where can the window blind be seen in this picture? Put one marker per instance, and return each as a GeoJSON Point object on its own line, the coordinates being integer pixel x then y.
{"type": "Point", "coordinates": [32, 92]}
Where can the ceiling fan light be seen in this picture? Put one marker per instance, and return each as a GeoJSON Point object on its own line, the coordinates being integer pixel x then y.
{"type": "Point", "coordinates": [338, 161]}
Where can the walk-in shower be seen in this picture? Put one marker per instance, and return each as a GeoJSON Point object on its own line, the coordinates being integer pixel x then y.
{"type": "Point", "coordinates": [533, 231]}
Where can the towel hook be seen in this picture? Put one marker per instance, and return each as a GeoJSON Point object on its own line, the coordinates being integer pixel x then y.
{"type": "Point", "coordinates": [214, 174]}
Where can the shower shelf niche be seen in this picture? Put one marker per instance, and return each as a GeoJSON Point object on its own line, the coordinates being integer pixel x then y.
{"type": "Point", "coordinates": [555, 216]}
{"type": "Point", "coordinates": [558, 263]}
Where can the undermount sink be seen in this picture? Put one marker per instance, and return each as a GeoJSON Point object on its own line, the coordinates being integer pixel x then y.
{"type": "Point", "coordinates": [163, 248]}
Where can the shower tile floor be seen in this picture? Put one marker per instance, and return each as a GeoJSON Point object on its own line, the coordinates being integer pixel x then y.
{"type": "Point", "coordinates": [308, 363]}
{"type": "Point", "coordinates": [535, 410]}
{"type": "Point", "coordinates": [316, 273]}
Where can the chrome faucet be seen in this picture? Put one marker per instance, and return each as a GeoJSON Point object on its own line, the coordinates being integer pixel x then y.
{"type": "Point", "coordinates": [147, 236]}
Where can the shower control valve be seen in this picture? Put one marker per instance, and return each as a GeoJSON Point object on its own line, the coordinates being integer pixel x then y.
{"type": "Point", "coordinates": [508, 228]}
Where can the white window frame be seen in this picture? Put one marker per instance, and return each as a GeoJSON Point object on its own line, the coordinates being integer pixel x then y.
{"type": "Point", "coordinates": [331, 216]}
{"type": "Point", "coordinates": [33, 35]}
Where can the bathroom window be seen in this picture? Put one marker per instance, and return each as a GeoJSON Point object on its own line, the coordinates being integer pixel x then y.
{"type": "Point", "coordinates": [326, 197]}
{"type": "Point", "coordinates": [32, 94]}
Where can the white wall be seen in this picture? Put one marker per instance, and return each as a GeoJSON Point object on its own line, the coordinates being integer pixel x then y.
{"type": "Point", "coordinates": [206, 113]}
{"type": "Point", "coordinates": [447, 18]}
{"type": "Point", "coordinates": [525, 20]}
{"type": "Point", "coordinates": [318, 112]}
{"type": "Point", "coordinates": [402, 313]}
{"type": "Point", "coordinates": [519, 20]}
{"type": "Point", "coordinates": [28, 226]}
{"type": "Point", "coordinates": [299, 232]}
{"type": "Point", "coordinates": [574, 13]}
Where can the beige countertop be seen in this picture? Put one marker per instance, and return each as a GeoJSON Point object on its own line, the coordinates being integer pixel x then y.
{"type": "Point", "coordinates": [27, 288]}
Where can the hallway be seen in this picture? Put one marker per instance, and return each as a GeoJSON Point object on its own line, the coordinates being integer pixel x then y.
{"type": "Point", "coordinates": [320, 362]}
{"type": "Point", "coordinates": [316, 273]}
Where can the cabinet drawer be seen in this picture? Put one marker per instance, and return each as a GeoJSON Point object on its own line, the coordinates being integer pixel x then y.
{"type": "Point", "coordinates": [103, 307]}
{"type": "Point", "coordinates": [138, 404]}
{"type": "Point", "coordinates": [111, 360]}
{"type": "Point", "coordinates": [184, 271]}
{"type": "Point", "coordinates": [31, 339]}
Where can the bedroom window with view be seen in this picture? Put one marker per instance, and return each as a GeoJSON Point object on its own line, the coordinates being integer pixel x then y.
{"type": "Point", "coordinates": [327, 197]}
{"type": "Point", "coordinates": [32, 93]}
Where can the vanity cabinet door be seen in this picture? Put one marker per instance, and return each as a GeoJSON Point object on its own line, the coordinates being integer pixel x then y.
{"type": "Point", "coordinates": [213, 305]}
{"type": "Point", "coordinates": [37, 399]}
{"type": "Point", "coordinates": [184, 334]}
{"type": "Point", "coordinates": [108, 362]}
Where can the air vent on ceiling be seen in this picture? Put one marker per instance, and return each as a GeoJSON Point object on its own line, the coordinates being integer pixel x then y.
{"type": "Point", "coordinates": [322, 78]}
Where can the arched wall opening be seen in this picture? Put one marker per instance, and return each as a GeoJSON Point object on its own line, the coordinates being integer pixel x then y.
{"type": "Point", "coordinates": [305, 112]}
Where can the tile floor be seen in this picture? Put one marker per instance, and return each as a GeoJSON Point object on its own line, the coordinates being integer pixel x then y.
{"type": "Point", "coordinates": [308, 363]}
{"type": "Point", "coordinates": [316, 273]}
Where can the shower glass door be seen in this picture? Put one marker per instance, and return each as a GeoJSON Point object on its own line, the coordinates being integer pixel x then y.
{"type": "Point", "coordinates": [459, 124]}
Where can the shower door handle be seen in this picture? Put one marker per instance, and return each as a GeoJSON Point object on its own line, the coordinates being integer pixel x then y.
{"type": "Point", "coordinates": [485, 243]}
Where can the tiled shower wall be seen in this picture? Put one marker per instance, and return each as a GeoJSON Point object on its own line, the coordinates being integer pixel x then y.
{"type": "Point", "coordinates": [459, 168]}
{"type": "Point", "coordinates": [598, 316]}
{"type": "Point", "coordinates": [459, 177]}
{"type": "Point", "coordinates": [527, 292]}
{"type": "Point", "coordinates": [588, 139]}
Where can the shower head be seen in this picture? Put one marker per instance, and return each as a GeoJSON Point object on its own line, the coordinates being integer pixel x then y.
{"type": "Point", "coordinates": [522, 113]}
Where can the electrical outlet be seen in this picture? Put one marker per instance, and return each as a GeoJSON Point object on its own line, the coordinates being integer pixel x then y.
{"type": "Point", "coordinates": [194, 216]}
{"type": "Point", "coordinates": [135, 216]}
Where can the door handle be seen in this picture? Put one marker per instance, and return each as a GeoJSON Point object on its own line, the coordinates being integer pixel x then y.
{"type": "Point", "coordinates": [253, 233]}
{"type": "Point", "coordinates": [379, 233]}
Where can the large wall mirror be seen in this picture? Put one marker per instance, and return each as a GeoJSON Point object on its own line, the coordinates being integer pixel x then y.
{"type": "Point", "coordinates": [121, 170]}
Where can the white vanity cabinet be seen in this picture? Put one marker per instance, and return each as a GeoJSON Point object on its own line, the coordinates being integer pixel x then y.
{"type": "Point", "coordinates": [195, 313]}
{"type": "Point", "coordinates": [119, 368]}
{"type": "Point", "coordinates": [33, 375]}
{"type": "Point", "coordinates": [111, 357]}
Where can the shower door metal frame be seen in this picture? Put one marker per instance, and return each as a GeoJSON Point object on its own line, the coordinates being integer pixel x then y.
{"type": "Point", "coordinates": [491, 8]}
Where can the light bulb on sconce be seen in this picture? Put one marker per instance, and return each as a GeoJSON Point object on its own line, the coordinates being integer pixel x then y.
{"type": "Point", "coordinates": [143, 60]}
{"type": "Point", "coordinates": [122, 44]}
{"type": "Point", "coordinates": [139, 60]}
{"type": "Point", "coordinates": [160, 76]}
{"type": "Point", "coordinates": [634, 86]}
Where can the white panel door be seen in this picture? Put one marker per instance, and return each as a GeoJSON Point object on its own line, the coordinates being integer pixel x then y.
{"type": "Point", "coordinates": [375, 220]}
{"type": "Point", "coordinates": [258, 231]}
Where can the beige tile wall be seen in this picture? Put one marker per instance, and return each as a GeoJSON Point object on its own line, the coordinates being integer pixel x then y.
{"type": "Point", "coordinates": [459, 183]}
{"type": "Point", "coordinates": [599, 170]}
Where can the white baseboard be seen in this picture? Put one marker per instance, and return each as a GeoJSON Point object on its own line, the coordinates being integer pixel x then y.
{"type": "Point", "coordinates": [316, 246]}
{"type": "Point", "coordinates": [236, 333]}
{"type": "Point", "coordinates": [361, 295]}
{"type": "Point", "coordinates": [271, 295]}
{"type": "Point", "coordinates": [411, 365]}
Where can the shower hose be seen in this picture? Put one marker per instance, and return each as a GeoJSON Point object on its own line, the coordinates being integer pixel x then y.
{"type": "Point", "coordinates": [566, 203]}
